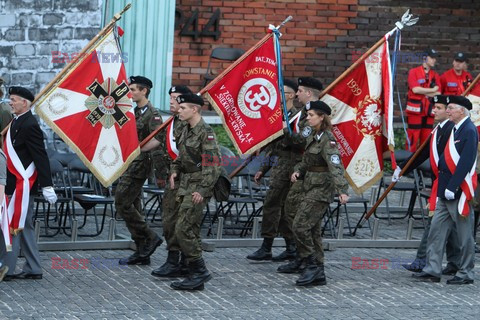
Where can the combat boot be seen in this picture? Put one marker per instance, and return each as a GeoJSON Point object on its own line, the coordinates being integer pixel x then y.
{"type": "Point", "coordinates": [197, 277]}
{"type": "Point", "coordinates": [135, 258]}
{"type": "Point", "coordinates": [265, 251]}
{"type": "Point", "coordinates": [313, 275]}
{"type": "Point", "coordinates": [295, 266]}
{"type": "Point", "coordinates": [171, 267]}
{"type": "Point", "coordinates": [289, 253]}
{"type": "Point", "coordinates": [149, 247]}
{"type": "Point", "coordinates": [183, 265]}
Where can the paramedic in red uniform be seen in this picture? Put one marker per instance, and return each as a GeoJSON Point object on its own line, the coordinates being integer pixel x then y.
{"type": "Point", "coordinates": [423, 84]}
{"type": "Point", "coordinates": [456, 80]}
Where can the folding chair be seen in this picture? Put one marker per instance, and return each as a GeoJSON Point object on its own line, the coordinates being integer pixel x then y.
{"type": "Point", "coordinates": [224, 54]}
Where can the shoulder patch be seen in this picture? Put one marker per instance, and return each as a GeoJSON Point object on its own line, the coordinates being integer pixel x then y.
{"type": "Point", "coordinates": [306, 131]}
{"type": "Point", "coordinates": [335, 159]}
{"type": "Point", "coordinates": [157, 118]}
{"type": "Point", "coordinates": [210, 137]}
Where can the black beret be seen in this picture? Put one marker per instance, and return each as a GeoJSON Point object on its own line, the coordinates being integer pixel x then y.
{"type": "Point", "coordinates": [460, 56]}
{"type": "Point", "coordinates": [310, 83]}
{"type": "Point", "coordinates": [21, 92]}
{"type": "Point", "coordinates": [179, 89]}
{"type": "Point", "coordinates": [190, 98]}
{"type": "Point", "coordinates": [431, 53]}
{"type": "Point", "coordinates": [319, 105]}
{"type": "Point", "coordinates": [142, 81]}
{"type": "Point", "coordinates": [291, 84]}
{"type": "Point", "coordinates": [440, 99]}
{"type": "Point", "coordinates": [461, 101]}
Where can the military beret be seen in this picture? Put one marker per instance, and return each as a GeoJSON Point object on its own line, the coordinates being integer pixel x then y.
{"type": "Point", "coordinates": [320, 106]}
{"type": "Point", "coordinates": [440, 99]}
{"type": "Point", "coordinates": [431, 52]}
{"type": "Point", "coordinates": [179, 89]}
{"type": "Point", "coordinates": [460, 56]}
{"type": "Point", "coordinates": [142, 81]}
{"type": "Point", "coordinates": [21, 92]}
{"type": "Point", "coordinates": [461, 101]}
{"type": "Point", "coordinates": [310, 83]}
{"type": "Point", "coordinates": [190, 98]}
{"type": "Point", "coordinates": [291, 84]}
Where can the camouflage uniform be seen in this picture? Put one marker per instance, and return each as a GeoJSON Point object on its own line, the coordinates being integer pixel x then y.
{"type": "Point", "coordinates": [323, 174]}
{"type": "Point", "coordinates": [274, 219]}
{"type": "Point", "coordinates": [128, 194]}
{"type": "Point", "coordinates": [193, 143]}
{"type": "Point", "coordinates": [169, 204]}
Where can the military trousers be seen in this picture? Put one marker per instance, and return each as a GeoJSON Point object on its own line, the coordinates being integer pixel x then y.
{"type": "Point", "coordinates": [128, 203]}
{"type": "Point", "coordinates": [292, 203]}
{"type": "Point", "coordinates": [275, 220]}
{"type": "Point", "coordinates": [307, 228]}
{"type": "Point", "coordinates": [170, 216]}
{"type": "Point", "coordinates": [187, 228]}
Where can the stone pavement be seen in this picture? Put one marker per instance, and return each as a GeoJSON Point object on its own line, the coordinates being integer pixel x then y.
{"type": "Point", "coordinates": [239, 290]}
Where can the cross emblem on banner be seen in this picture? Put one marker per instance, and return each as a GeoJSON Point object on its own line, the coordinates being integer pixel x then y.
{"type": "Point", "coordinates": [108, 103]}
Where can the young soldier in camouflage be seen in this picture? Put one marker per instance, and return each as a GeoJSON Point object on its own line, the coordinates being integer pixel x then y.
{"type": "Point", "coordinates": [323, 174]}
{"type": "Point", "coordinates": [172, 267]}
{"type": "Point", "coordinates": [274, 219]}
{"type": "Point", "coordinates": [128, 201]}
{"type": "Point", "coordinates": [197, 141]}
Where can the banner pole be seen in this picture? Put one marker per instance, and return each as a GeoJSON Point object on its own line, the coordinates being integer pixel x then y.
{"type": "Point", "coordinates": [470, 87]}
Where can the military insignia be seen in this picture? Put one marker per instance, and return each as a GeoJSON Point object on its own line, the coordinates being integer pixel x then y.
{"type": "Point", "coordinates": [306, 132]}
{"type": "Point", "coordinates": [332, 143]}
{"type": "Point", "coordinates": [157, 118]}
{"type": "Point", "coordinates": [173, 89]}
{"type": "Point", "coordinates": [335, 159]}
{"type": "Point", "coordinates": [210, 137]}
{"type": "Point", "coordinates": [108, 103]}
{"type": "Point", "coordinates": [307, 106]}
{"type": "Point", "coordinates": [368, 117]}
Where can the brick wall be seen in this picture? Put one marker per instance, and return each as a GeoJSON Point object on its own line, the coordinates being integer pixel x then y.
{"type": "Point", "coordinates": [320, 40]}
{"type": "Point", "coordinates": [31, 29]}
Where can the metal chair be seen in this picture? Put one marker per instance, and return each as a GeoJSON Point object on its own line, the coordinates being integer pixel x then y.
{"type": "Point", "coordinates": [225, 54]}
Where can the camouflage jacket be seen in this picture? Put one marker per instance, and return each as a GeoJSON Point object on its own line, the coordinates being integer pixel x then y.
{"type": "Point", "coordinates": [322, 168]}
{"type": "Point", "coordinates": [147, 119]}
{"type": "Point", "coordinates": [197, 146]}
{"type": "Point", "coordinates": [281, 155]}
{"type": "Point", "coordinates": [164, 160]}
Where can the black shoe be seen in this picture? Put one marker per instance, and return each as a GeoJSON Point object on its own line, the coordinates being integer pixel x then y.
{"type": "Point", "coordinates": [171, 267]}
{"type": "Point", "coordinates": [134, 259]}
{"type": "Point", "coordinates": [197, 277]}
{"type": "Point", "coordinates": [425, 277]}
{"type": "Point", "coordinates": [296, 266]}
{"type": "Point", "coordinates": [289, 253]}
{"type": "Point", "coordinates": [413, 267]}
{"type": "Point", "coordinates": [449, 270]}
{"type": "Point", "coordinates": [29, 276]}
{"type": "Point", "coordinates": [312, 275]}
{"type": "Point", "coordinates": [9, 277]}
{"type": "Point", "coordinates": [265, 251]}
{"type": "Point", "coordinates": [3, 272]}
{"type": "Point", "coordinates": [458, 280]}
{"type": "Point", "coordinates": [149, 248]}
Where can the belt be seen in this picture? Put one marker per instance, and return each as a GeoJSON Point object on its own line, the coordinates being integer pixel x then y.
{"type": "Point", "coordinates": [289, 152]}
{"type": "Point", "coordinates": [317, 169]}
{"type": "Point", "coordinates": [192, 170]}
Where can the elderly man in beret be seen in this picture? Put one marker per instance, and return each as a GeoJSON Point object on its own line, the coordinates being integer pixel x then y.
{"type": "Point", "coordinates": [456, 184]}
{"type": "Point", "coordinates": [128, 193]}
{"type": "Point", "coordinates": [28, 163]}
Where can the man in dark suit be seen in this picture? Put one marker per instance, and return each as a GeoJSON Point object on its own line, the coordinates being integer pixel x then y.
{"type": "Point", "coordinates": [440, 137]}
{"type": "Point", "coordinates": [456, 185]}
{"type": "Point", "coordinates": [27, 165]}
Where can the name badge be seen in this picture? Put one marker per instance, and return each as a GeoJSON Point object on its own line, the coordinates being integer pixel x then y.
{"type": "Point", "coordinates": [421, 81]}
{"type": "Point", "coordinates": [452, 84]}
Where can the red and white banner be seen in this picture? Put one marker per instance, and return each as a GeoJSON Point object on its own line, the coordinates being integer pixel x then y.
{"type": "Point", "coordinates": [91, 110]}
{"type": "Point", "coordinates": [362, 115]}
{"type": "Point", "coordinates": [248, 100]}
{"type": "Point", "coordinates": [474, 97]}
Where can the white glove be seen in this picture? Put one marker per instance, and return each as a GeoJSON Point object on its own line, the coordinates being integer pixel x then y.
{"type": "Point", "coordinates": [449, 195]}
{"type": "Point", "coordinates": [396, 174]}
{"type": "Point", "coordinates": [49, 194]}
